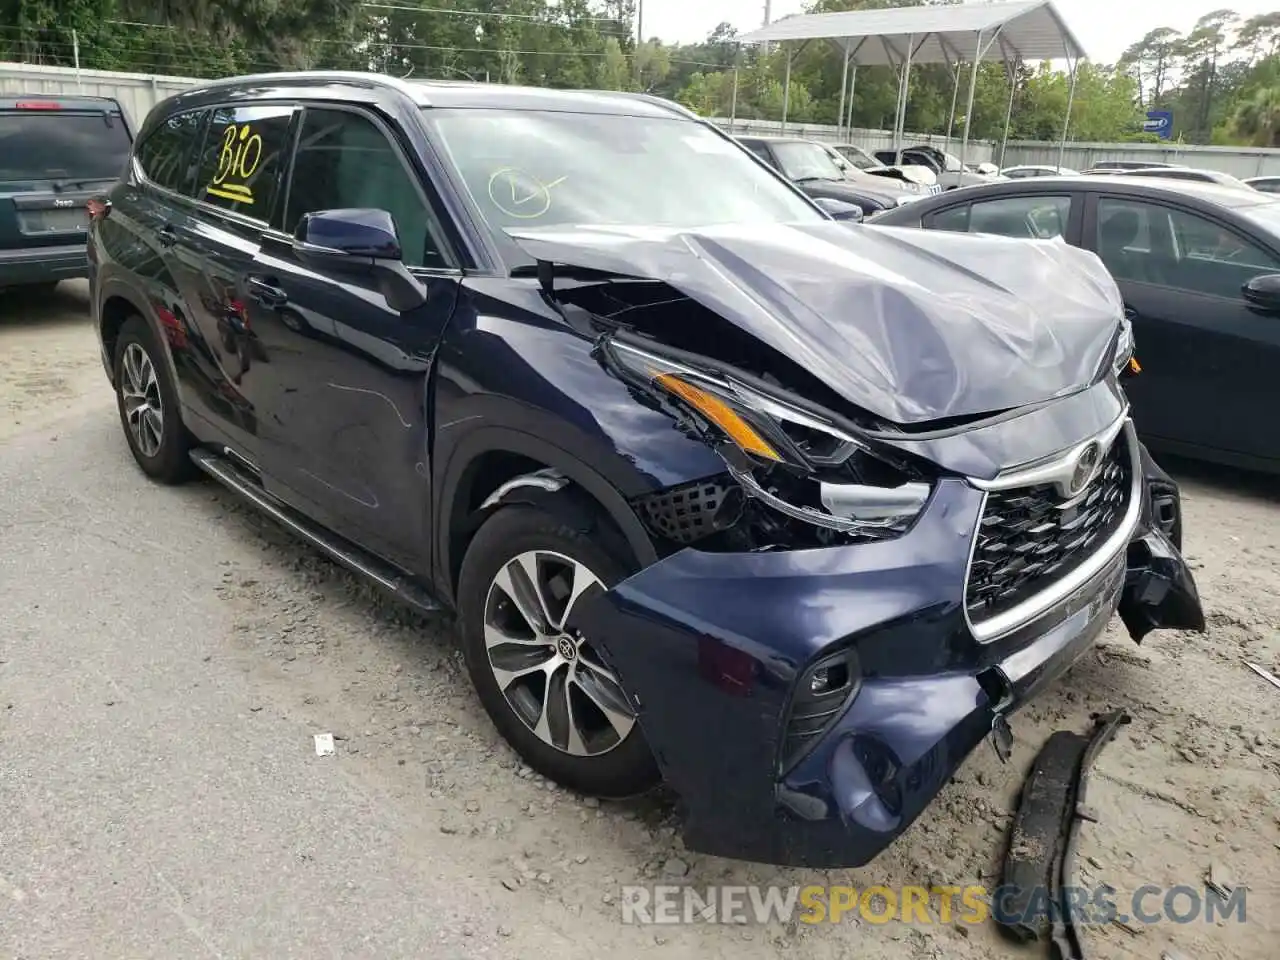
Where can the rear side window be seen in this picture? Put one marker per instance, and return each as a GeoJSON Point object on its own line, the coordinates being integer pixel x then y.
{"type": "Point", "coordinates": [344, 161]}
{"type": "Point", "coordinates": [243, 153]}
{"type": "Point", "coordinates": [167, 155]}
{"type": "Point", "coordinates": [1034, 218]}
{"type": "Point", "coordinates": [55, 144]}
{"type": "Point", "coordinates": [953, 219]}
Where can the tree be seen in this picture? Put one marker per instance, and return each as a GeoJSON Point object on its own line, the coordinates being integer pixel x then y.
{"type": "Point", "coordinates": [1257, 120]}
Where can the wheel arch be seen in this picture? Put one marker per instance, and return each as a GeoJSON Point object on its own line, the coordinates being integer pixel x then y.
{"type": "Point", "coordinates": [117, 303]}
{"type": "Point", "coordinates": [492, 456]}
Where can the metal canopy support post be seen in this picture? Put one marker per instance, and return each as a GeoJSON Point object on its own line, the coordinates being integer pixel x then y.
{"type": "Point", "coordinates": [1073, 68]}
{"type": "Point", "coordinates": [979, 53]}
{"type": "Point", "coordinates": [895, 60]}
{"type": "Point", "coordinates": [853, 85]}
{"type": "Point", "coordinates": [786, 87]}
{"type": "Point", "coordinates": [952, 58]}
{"type": "Point", "coordinates": [844, 84]}
{"type": "Point", "coordinates": [1011, 61]}
{"type": "Point", "coordinates": [733, 102]}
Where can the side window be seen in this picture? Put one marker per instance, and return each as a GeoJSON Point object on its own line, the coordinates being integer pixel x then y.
{"type": "Point", "coordinates": [242, 158]}
{"type": "Point", "coordinates": [1031, 218]}
{"type": "Point", "coordinates": [167, 155]}
{"type": "Point", "coordinates": [953, 219]}
{"type": "Point", "coordinates": [760, 151]}
{"type": "Point", "coordinates": [1152, 243]}
{"type": "Point", "coordinates": [344, 161]}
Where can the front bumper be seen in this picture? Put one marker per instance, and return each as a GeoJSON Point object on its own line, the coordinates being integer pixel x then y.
{"type": "Point", "coordinates": [711, 645]}
{"type": "Point", "coordinates": [35, 265]}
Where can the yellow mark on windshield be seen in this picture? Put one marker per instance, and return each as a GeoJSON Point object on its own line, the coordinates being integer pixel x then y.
{"type": "Point", "coordinates": [520, 194]}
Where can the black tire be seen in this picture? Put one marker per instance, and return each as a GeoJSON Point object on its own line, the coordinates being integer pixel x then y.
{"type": "Point", "coordinates": [627, 768]}
{"type": "Point", "coordinates": [170, 462]}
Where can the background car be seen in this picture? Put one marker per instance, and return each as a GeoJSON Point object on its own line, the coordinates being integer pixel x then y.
{"type": "Point", "coordinates": [946, 166]}
{"type": "Point", "coordinates": [1116, 166]}
{"type": "Point", "coordinates": [1266, 184]}
{"type": "Point", "coordinates": [56, 153]}
{"type": "Point", "coordinates": [853, 154]}
{"type": "Point", "coordinates": [1022, 171]}
{"type": "Point", "coordinates": [1198, 266]}
{"type": "Point", "coordinates": [808, 165]}
{"type": "Point", "coordinates": [1188, 173]}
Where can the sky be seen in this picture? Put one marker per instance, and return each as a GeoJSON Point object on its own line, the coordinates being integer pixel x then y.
{"type": "Point", "coordinates": [1104, 27]}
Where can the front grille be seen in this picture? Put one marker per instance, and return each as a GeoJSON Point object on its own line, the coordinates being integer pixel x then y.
{"type": "Point", "coordinates": [1027, 541]}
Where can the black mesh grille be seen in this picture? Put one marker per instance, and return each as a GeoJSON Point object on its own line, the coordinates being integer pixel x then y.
{"type": "Point", "coordinates": [689, 512]}
{"type": "Point", "coordinates": [1027, 541]}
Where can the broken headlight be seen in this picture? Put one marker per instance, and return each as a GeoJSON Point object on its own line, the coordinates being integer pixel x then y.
{"type": "Point", "coordinates": [794, 460]}
{"type": "Point", "coordinates": [1123, 357]}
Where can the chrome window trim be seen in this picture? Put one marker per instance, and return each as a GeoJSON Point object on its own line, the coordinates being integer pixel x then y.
{"type": "Point", "coordinates": [993, 628]}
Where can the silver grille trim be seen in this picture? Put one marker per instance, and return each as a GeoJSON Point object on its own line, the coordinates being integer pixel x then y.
{"type": "Point", "coordinates": [993, 628]}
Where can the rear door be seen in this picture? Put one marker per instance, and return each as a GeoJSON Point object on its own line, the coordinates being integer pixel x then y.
{"type": "Point", "coordinates": [212, 244]}
{"type": "Point", "coordinates": [1208, 362]}
{"type": "Point", "coordinates": [54, 156]}
{"type": "Point", "coordinates": [344, 381]}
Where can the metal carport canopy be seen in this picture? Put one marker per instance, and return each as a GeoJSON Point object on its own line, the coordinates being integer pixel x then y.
{"type": "Point", "coordinates": [897, 37]}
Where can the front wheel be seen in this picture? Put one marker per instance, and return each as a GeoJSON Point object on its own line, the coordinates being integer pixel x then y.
{"type": "Point", "coordinates": [148, 404]}
{"type": "Point", "coordinates": [546, 685]}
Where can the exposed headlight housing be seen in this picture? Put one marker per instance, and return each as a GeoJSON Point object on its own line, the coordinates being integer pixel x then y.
{"type": "Point", "coordinates": [1123, 356]}
{"type": "Point", "coordinates": [752, 429]}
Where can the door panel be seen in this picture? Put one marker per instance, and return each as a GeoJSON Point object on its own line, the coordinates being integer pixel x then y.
{"type": "Point", "coordinates": [1208, 361]}
{"type": "Point", "coordinates": [345, 393]}
{"type": "Point", "coordinates": [237, 182]}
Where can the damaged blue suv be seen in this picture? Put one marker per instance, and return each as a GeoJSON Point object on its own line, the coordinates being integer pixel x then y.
{"type": "Point", "coordinates": [789, 513]}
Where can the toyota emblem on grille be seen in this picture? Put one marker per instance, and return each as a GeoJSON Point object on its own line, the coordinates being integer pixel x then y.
{"type": "Point", "coordinates": [1085, 465]}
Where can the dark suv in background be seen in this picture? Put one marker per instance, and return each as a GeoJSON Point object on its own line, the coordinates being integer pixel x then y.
{"type": "Point", "coordinates": [55, 154]}
{"type": "Point", "coordinates": [789, 512]}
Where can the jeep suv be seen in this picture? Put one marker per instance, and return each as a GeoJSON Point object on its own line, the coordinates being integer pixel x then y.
{"type": "Point", "coordinates": [790, 513]}
{"type": "Point", "coordinates": [56, 153]}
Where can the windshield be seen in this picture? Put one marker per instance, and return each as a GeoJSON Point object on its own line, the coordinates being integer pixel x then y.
{"type": "Point", "coordinates": [529, 168]}
{"type": "Point", "coordinates": [858, 157]}
{"type": "Point", "coordinates": [801, 160]}
{"type": "Point", "coordinates": [52, 145]}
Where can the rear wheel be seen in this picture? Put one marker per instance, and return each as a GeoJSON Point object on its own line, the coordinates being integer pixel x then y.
{"type": "Point", "coordinates": [148, 406]}
{"type": "Point", "coordinates": [546, 685]}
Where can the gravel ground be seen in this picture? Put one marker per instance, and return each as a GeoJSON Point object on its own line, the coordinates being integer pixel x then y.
{"type": "Point", "coordinates": [166, 657]}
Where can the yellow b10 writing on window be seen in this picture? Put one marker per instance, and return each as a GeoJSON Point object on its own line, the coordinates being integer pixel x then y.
{"type": "Point", "coordinates": [238, 160]}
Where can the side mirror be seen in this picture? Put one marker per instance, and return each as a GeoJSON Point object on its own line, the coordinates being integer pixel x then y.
{"type": "Point", "coordinates": [362, 242]}
{"type": "Point", "coordinates": [1262, 293]}
{"type": "Point", "coordinates": [839, 209]}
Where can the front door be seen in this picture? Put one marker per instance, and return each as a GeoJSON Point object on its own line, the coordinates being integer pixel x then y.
{"type": "Point", "coordinates": [345, 398]}
{"type": "Point", "coordinates": [1208, 361]}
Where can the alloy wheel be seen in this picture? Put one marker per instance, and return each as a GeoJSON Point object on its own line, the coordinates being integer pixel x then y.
{"type": "Point", "coordinates": [143, 406]}
{"type": "Point", "coordinates": [550, 674]}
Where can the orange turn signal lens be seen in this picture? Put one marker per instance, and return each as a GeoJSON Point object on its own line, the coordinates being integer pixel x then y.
{"type": "Point", "coordinates": [721, 414]}
{"type": "Point", "coordinates": [1134, 365]}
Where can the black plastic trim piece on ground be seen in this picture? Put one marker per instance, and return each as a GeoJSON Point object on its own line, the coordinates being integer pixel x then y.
{"type": "Point", "coordinates": [1041, 857]}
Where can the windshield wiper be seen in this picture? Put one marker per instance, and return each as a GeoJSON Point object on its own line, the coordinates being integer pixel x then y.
{"type": "Point", "coordinates": [813, 178]}
{"type": "Point", "coordinates": [60, 185]}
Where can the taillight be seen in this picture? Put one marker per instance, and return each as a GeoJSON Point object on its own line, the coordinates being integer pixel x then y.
{"type": "Point", "coordinates": [98, 209]}
{"type": "Point", "coordinates": [38, 105]}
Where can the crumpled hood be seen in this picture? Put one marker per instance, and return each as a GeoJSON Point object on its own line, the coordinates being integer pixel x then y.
{"type": "Point", "coordinates": [910, 325]}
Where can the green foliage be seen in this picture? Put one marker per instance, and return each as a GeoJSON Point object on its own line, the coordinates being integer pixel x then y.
{"type": "Point", "coordinates": [1221, 80]}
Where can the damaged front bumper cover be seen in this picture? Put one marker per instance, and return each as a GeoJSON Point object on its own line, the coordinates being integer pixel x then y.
{"type": "Point", "coordinates": [718, 648]}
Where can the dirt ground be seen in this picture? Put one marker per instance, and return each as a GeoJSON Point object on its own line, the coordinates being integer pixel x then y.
{"type": "Point", "coordinates": [1191, 782]}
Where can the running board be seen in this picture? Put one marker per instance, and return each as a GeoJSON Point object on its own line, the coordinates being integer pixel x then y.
{"type": "Point", "coordinates": [377, 572]}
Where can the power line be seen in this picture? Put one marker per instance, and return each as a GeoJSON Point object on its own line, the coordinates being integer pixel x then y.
{"type": "Point", "coordinates": [537, 18]}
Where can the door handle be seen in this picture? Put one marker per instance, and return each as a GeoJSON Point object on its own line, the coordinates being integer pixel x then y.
{"type": "Point", "coordinates": [271, 297]}
{"type": "Point", "coordinates": [168, 236]}
{"type": "Point", "coordinates": [1130, 314]}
